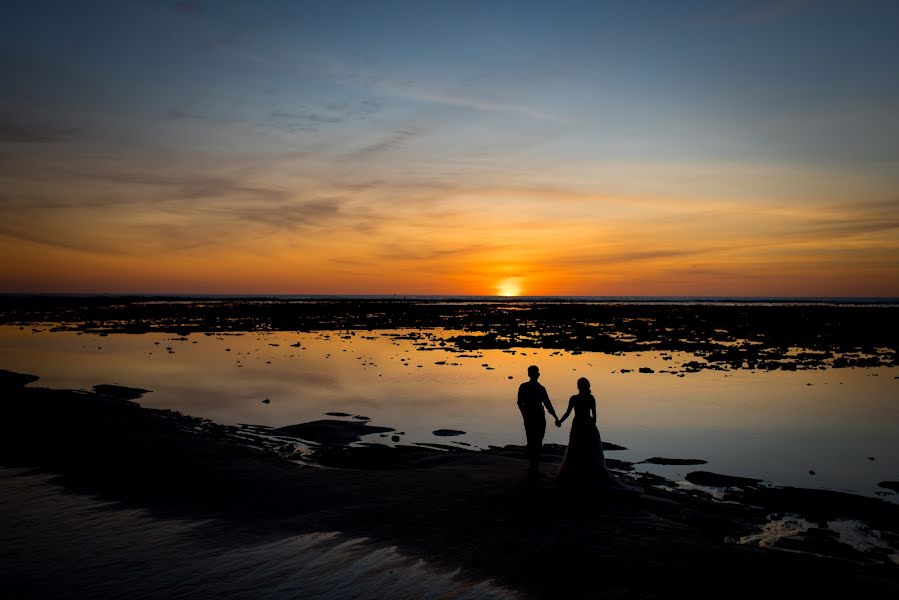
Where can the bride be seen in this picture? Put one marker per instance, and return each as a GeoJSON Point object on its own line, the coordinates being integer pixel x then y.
{"type": "Point", "coordinates": [584, 462]}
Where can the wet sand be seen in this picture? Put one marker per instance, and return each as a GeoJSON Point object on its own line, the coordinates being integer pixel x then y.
{"type": "Point", "coordinates": [460, 509]}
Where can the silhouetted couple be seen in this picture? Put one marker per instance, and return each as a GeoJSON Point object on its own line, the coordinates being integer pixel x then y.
{"type": "Point", "coordinates": [584, 462]}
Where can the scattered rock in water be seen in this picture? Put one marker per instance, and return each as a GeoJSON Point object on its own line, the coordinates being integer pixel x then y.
{"type": "Point", "coordinates": [718, 480]}
{"type": "Point", "coordinates": [448, 432]}
{"type": "Point", "coordinates": [338, 414]}
{"type": "Point", "coordinates": [870, 458]}
{"type": "Point", "coordinates": [329, 432]}
{"type": "Point", "coordinates": [658, 460]}
{"type": "Point", "coordinates": [890, 485]}
{"type": "Point", "coordinates": [394, 438]}
{"type": "Point", "coordinates": [266, 401]}
{"type": "Point", "coordinates": [10, 379]}
{"type": "Point", "coordinates": [811, 472]}
{"type": "Point", "coordinates": [120, 392]}
{"type": "Point", "coordinates": [646, 370]}
{"type": "Point", "coordinates": [607, 446]}
{"type": "Point", "coordinates": [361, 418]}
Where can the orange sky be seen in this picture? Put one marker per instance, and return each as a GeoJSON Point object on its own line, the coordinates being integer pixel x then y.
{"type": "Point", "coordinates": [279, 148]}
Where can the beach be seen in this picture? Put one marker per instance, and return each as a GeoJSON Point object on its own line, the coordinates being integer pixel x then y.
{"type": "Point", "coordinates": [474, 514]}
{"type": "Point", "coordinates": [448, 508]}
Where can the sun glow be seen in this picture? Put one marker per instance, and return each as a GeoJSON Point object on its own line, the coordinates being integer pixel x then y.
{"type": "Point", "coordinates": [509, 287]}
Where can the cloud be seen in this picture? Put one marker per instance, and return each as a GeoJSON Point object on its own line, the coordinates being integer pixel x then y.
{"type": "Point", "coordinates": [386, 144]}
{"type": "Point", "coordinates": [757, 12]}
{"type": "Point", "coordinates": [474, 104]}
{"type": "Point", "coordinates": [18, 129]}
{"type": "Point", "coordinates": [188, 7]}
{"type": "Point", "coordinates": [291, 215]}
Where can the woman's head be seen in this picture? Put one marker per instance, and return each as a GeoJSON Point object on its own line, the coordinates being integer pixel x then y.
{"type": "Point", "coordinates": [583, 385]}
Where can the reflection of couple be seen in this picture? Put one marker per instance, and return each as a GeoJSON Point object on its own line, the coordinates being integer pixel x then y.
{"type": "Point", "coordinates": [584, 462]}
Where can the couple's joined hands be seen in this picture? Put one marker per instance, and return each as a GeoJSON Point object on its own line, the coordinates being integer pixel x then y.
{"type": "Point", "coordinates": [558, 422]}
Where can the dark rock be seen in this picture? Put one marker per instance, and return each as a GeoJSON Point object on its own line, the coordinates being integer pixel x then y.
{"type": "Point", "coordinates": [612, 447]}
{"type": "Point", "coordinates": [718, 480]}
{"type": "Point", "coordinates": [448, 432]}
{"type": "Point", "coordinates": [890, 485]}
{"type": "Point", "coordinates": [658, 460]}
{"type": "Point", "coordinates": [266, 401]}
{"type": "Point", "coordinates": [646, 370]}
{"type": "Point", "coordinates": [10, 379]}
{"type": "Point", "coordinates": [338, 414]}
{"type": "Point", "coordinates": [330, 432]}
{"type": "Point", "coordinates": [120, 392]}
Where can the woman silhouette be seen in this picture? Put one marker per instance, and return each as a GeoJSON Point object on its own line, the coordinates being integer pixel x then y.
{"type": "Point", "coordinates": [584, 462]}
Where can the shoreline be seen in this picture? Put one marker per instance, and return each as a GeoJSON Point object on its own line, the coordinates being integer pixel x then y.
{"type": "Point", "coordinates": [474, 510]}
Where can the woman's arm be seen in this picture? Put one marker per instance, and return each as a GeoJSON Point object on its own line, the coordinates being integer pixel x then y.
{"type": "Point", "coordinates": [593, 409]}
{"type": "Point", "coordinates": [567, 412]}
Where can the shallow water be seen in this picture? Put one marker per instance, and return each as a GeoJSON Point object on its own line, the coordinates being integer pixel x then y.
{"type": "Point", "coordinates": [772, 425]}
{"type": "Point", "coordinates": [55, 544]}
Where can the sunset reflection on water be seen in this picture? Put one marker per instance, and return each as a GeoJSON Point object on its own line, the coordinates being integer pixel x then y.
{"type": "Point", "coordinates": [774, 425]}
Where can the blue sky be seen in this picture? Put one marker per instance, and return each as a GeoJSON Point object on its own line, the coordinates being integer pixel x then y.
{"type": "Point", "coordinates": [180, 119]}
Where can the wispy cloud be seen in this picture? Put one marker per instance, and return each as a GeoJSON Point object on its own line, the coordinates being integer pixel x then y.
{"type": "Point", "coordinates": [475, 104]}
{"type": "Point", "coordinates": [758, 12]}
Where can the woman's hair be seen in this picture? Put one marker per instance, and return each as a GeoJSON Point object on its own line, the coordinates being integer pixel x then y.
{"type": "Point", "coordinates": [583, 385]}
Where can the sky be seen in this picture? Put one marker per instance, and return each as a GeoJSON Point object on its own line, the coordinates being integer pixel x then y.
{"type": "Point", "coordinates": [714, 148]}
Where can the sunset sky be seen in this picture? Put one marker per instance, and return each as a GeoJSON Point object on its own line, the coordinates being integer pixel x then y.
{"type": "Point", "coordinates": [734, 147]}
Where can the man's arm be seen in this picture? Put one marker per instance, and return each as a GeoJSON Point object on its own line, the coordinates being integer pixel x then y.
{"type": "Point", "coordinates": [522, 401]}
{"type": "Point", "coordinates": [549, 405]}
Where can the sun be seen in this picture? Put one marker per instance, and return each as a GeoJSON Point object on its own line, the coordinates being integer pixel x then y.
{"type": "Point", "coordinates": [509, 287]}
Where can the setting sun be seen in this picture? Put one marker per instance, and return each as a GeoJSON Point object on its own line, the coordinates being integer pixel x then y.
{"type": "Point", "coordinates": [509, 287]}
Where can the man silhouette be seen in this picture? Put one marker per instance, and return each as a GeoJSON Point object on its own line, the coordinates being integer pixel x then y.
{"type": "Point", "coordinates": [532, 397]}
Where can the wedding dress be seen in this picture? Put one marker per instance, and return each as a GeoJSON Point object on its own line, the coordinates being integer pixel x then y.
{"type": "Point", "coordinates": [584, 462]}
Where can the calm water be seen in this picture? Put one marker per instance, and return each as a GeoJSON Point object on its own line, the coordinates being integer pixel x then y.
{"type": "Point", "coordinates": [775, 425]}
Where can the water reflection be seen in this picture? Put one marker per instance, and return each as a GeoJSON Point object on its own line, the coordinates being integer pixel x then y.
{"type": "Point", "coordinates": [776, 425]}
{"type": "Point", "coordinates": [56, 545]}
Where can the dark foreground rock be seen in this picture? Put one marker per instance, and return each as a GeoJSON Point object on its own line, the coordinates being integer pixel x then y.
{"type": "Point", "coordinates": [658, 460]}
{"type": "Point", "coordinates": [718, 480]}
{"type": "Point", "coordinates": [474, 511]}
{"type": "Point", "coordinates": [332, 432]}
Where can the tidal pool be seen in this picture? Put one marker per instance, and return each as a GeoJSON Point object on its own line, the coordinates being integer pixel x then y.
{"type": "Point", "coordinates": [827, 428]}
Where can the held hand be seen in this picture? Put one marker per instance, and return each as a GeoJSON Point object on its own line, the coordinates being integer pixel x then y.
{"type": "Point", "coordinates": [558, 423]}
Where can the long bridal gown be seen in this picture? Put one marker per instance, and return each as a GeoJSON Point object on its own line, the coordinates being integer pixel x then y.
{"type": "Point", "coordinates": [584, 462]}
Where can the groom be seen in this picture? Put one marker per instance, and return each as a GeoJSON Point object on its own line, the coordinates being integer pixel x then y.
{"type": "Point", "coordinates": [532, 397]}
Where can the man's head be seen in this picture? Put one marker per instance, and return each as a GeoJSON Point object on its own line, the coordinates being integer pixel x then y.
{"type": "Point", "coordinates": [533, 372]}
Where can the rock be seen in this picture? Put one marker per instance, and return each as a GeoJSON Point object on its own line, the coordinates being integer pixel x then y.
{"type": "Point", "coordinates": [718, 480]}
{"type": "Point", "coordinates": [646, 370]}
{"type": "Point", "coordinates": [658, 460]}
{"type": "Point", "coordinates": [612, 447]}
{"type": "Point", "coordinates": [395, 438]}
{"type": "Point", "coordinates": [338, 414]}
{"type": "Point", "coordinates": [10, 379]}
{"type": "Point", "coordinates": [266, 401]}
{"type": "Point", "coordinates": [331, 432]}
{"type": "Point", "coordinates": [890, 485]}
{"type": "Point", "coordinates": [120, 392]}
{"type": "Point", "coordinates": [448, 432]}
